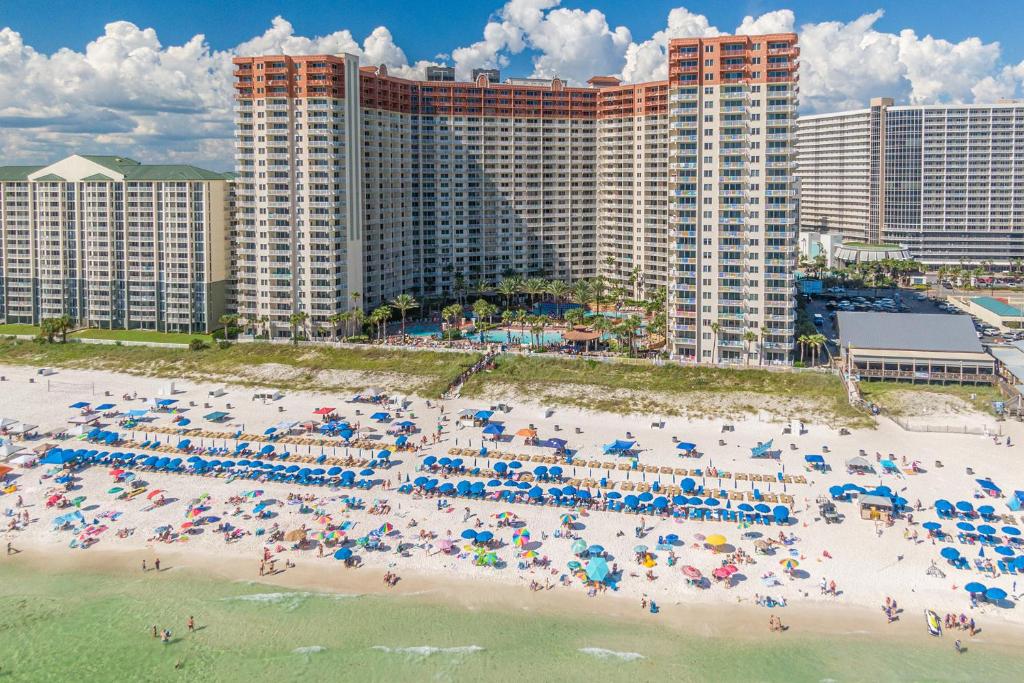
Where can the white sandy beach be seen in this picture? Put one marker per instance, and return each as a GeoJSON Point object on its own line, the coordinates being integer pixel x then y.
{"type": "Point", "coordinates": [868, 562]}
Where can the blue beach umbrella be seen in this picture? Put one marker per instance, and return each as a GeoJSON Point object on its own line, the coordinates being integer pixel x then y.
{"type": "Point", "coordinates": [975, 587]}
{"type": "Point", "coordinates": [995, 594]}
{"type": "Point", "coordinates": [932, 526]}
{"type": "Point", "coordinates": [965, 526]}
{"type": "Point", "coordinates": [949, 553]}
{"type": "Point", "coordinates": [342, 553]}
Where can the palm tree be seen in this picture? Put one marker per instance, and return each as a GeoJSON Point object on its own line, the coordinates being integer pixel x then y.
{"type": "Point", "coordinates": [404, 302]}
{"type": "Point", "coordinates": [508, 288]}
{"type": "Point", "coordinates": [521, 318]}
{"type": "Point", "coordinates": [383, 314]}
{"type": "Point", "coordinates": [559, 291]}
{"type": "Point", "coordinates": [297, 320]}
{"type": "Point", "coordinates": [357, 316]}
{"type": "Point", "coordinates": [451, 314]}
{"type": "Point", "coordinates": [459, 286]}
{"type": "Point", "coordinates": [761, 334]}
{"type": "Point", "coordinates": [482, 308]}
{"type": "Point", "coordinates": [817, 343]}
{"type": "Point", "coordinates": [582, 292]}
{"type": "Point", "coordinates": [597, 289]}
{"type": "Point", "coordinates": [228, 320]}
{"type": "Point", "coordinates": [716, 327]}
{"type": "Point", "coordinates": [535, 286]}
{"type": "Point", "coordinates": [749, 337]}
{"type": "Point", "coordinates": [575, 316]}
{"type": "Point", "coordinates": [64, 325]}
{"type": "Point", "coordinates": [804, 341]}
{"type": "Point", "coordinates": [355, 297]}
{"type": "Point", "coordinates": [537, 325]}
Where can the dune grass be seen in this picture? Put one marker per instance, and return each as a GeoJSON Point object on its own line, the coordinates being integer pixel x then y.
{"type": "Point", "coordinates": [18, 328]}
{"type": "Point", "coordinates": [142, 336]}
{"type": "Point", "coordinates": [306, 368]}
{"type": "Point", "coordinates": [625, 387]}
{"type": "Point", "coordinates": [895, 396]}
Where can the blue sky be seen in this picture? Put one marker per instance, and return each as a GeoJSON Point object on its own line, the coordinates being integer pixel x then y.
{"type": "Point", "coordinates": [425, 29]}
{"type": "Point", "coordinates": [153, 79]}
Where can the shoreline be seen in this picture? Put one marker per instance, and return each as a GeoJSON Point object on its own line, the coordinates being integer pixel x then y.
{"type": "Point", "coordinates": [732, 620]}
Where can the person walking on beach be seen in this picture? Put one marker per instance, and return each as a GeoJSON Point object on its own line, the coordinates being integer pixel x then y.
{"type": "Point", "coordinates": [156, 563]}
{"type": "Point", "coordinates": [191, 624]}
{"type": "Point", "coordinates": [958, 647]}
{"type": "Point", "coordinates": [144, 569]}
{"type": "Point", "coordinates": [156, 634]}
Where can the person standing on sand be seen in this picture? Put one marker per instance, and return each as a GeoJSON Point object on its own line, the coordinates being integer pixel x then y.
{"type": "Point", "coordinates": [156, 563]}
{"type": "Point", "coordinates": [144, 569]}
{"type": "Point", "coordinates": [191, 624]}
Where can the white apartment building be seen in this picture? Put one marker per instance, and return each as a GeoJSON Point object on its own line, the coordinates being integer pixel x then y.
{"type": "Point", "coordinates": [944, 181]}
{"type": "Point", "coordinates": [732, 113]}
{"type": "Point", "coordinates": [115, 244]}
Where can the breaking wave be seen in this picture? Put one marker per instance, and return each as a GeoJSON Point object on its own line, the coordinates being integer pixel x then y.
{"type": "Point", "coordinates": [602, 653]}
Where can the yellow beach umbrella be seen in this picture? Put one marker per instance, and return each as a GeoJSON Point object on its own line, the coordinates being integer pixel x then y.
{"type": "Point", "coordinates": [715, 540]}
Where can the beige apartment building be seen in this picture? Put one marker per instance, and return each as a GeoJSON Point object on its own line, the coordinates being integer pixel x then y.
{"type": "Point", "coordinates": [114, 244]}
{"type": "Point", "coordinates": [732, 198]}
{"type": "Point", "coordinates": [354, 186]}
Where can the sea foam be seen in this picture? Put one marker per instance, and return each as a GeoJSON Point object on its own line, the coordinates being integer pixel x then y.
{"type": "Point", "coordinates": [289, 600]}
{"type": "Point", "coordinates": [423, 651]}
{"type": "Point", "coordinates": [602, 653]}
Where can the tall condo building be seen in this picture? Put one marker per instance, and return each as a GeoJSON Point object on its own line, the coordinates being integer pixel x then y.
{"type": "Point", "coordinates": [355, 186]}
{"type": "Point", "coordinates": [944, 181]}
{"type": "Point", "coordinates": [113, 243]}
{"type": "Point", "coordinates": [632, 182]}
{"type": "Point", "coordinates": [732, 198]}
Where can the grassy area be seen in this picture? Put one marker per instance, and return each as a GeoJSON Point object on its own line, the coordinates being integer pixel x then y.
{"type": "Point", "coordinates": [273, 365]}
{"type": "Point", "coordinates": [668, 389]}
{"type": "Point", "coordinates": [141, 336]}
{"type": "Point", "coordinates": [898, 397]}
{"type": "Point", "coordinates": [18, 328]}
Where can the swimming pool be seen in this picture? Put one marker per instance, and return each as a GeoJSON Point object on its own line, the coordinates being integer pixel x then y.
{"type": "Point", "coordinates": [513, 335]}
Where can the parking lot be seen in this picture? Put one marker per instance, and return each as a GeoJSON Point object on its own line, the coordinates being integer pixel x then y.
{"type": "Point", "coordinates": [894, 301]}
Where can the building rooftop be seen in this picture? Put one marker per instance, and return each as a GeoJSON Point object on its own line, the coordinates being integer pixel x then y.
{"type": "Point", "coordinates": [1000, 308]}
{"type": "Point", "coordinates": [1011, 357]}
{"type": "Point", "coordinates": [935, 332]}
{"type": "Point", "coordinates": [124, 167]}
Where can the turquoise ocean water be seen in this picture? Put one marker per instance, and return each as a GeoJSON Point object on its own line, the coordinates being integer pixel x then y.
{"type": "Point", "coordinates": [96, 627]}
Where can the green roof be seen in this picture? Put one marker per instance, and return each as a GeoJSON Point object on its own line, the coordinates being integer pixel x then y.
{"type": "Point", "coordinates": [1000, 308]}
{"type": "Point", "coordinates": [16, 173]}
{"type": "Point", "coordinates": [129, 168]}
{"type": "Point", "coordinates": [51, 177]}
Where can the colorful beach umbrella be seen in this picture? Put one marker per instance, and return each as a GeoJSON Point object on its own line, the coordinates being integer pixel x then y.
{"type": "Point", "coordinates": [386, 528]}
{"type": "Point", "coordinates": [568, 519]}
{"type": "Point", "coordinates": [691, 572]}
{"type": "Point", "coordinates": [521, 537]}
{"type": "Point", "coordinates": [715, 540]}
{"type": "Point", "coordinates": [789, 563]}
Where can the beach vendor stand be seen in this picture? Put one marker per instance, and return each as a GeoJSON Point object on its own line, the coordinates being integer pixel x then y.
{"type": "Point", "coordinates": [876, 508]}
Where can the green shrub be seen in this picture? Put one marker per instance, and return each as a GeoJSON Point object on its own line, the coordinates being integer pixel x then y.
{"type": "Point", "coordinates": [197, 345]}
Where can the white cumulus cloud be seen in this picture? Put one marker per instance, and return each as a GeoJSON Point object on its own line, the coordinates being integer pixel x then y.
{"type": "Point", "coordinates": [128, 93]}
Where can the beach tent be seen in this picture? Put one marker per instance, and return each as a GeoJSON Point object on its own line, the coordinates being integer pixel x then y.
{"type": "Point", "coordinates": [137, 413]}
{"type": "Point", "coordinates": [483, 415]}
{"type": "Point", "coordinates": [618, 446]}
{"type": "Point", "coordinates": [686, 446]}
{"type": "Point", "coordinates": [859, 464]}
{"type": "Point", "coordinates": [494, 429]}
{"type": "Point", "coordinates": [1016, 501]}
{"type": "Point", "coordinates": [58, 456]}
{"type": "Point", "coordinates": [216, 416]}
{"type": "Point", "coordinates": [323, 411]}
{"type": "Point", "coordinates": [988, 487]}
{"type": "Point", "coordinates": [267, 395]}
{"type": "Point", "coordinates": [814, 459]}
{"type": "Point", "coordinates": [8, 450]}
{"type": "Point", "coordinates": [761, 449]}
